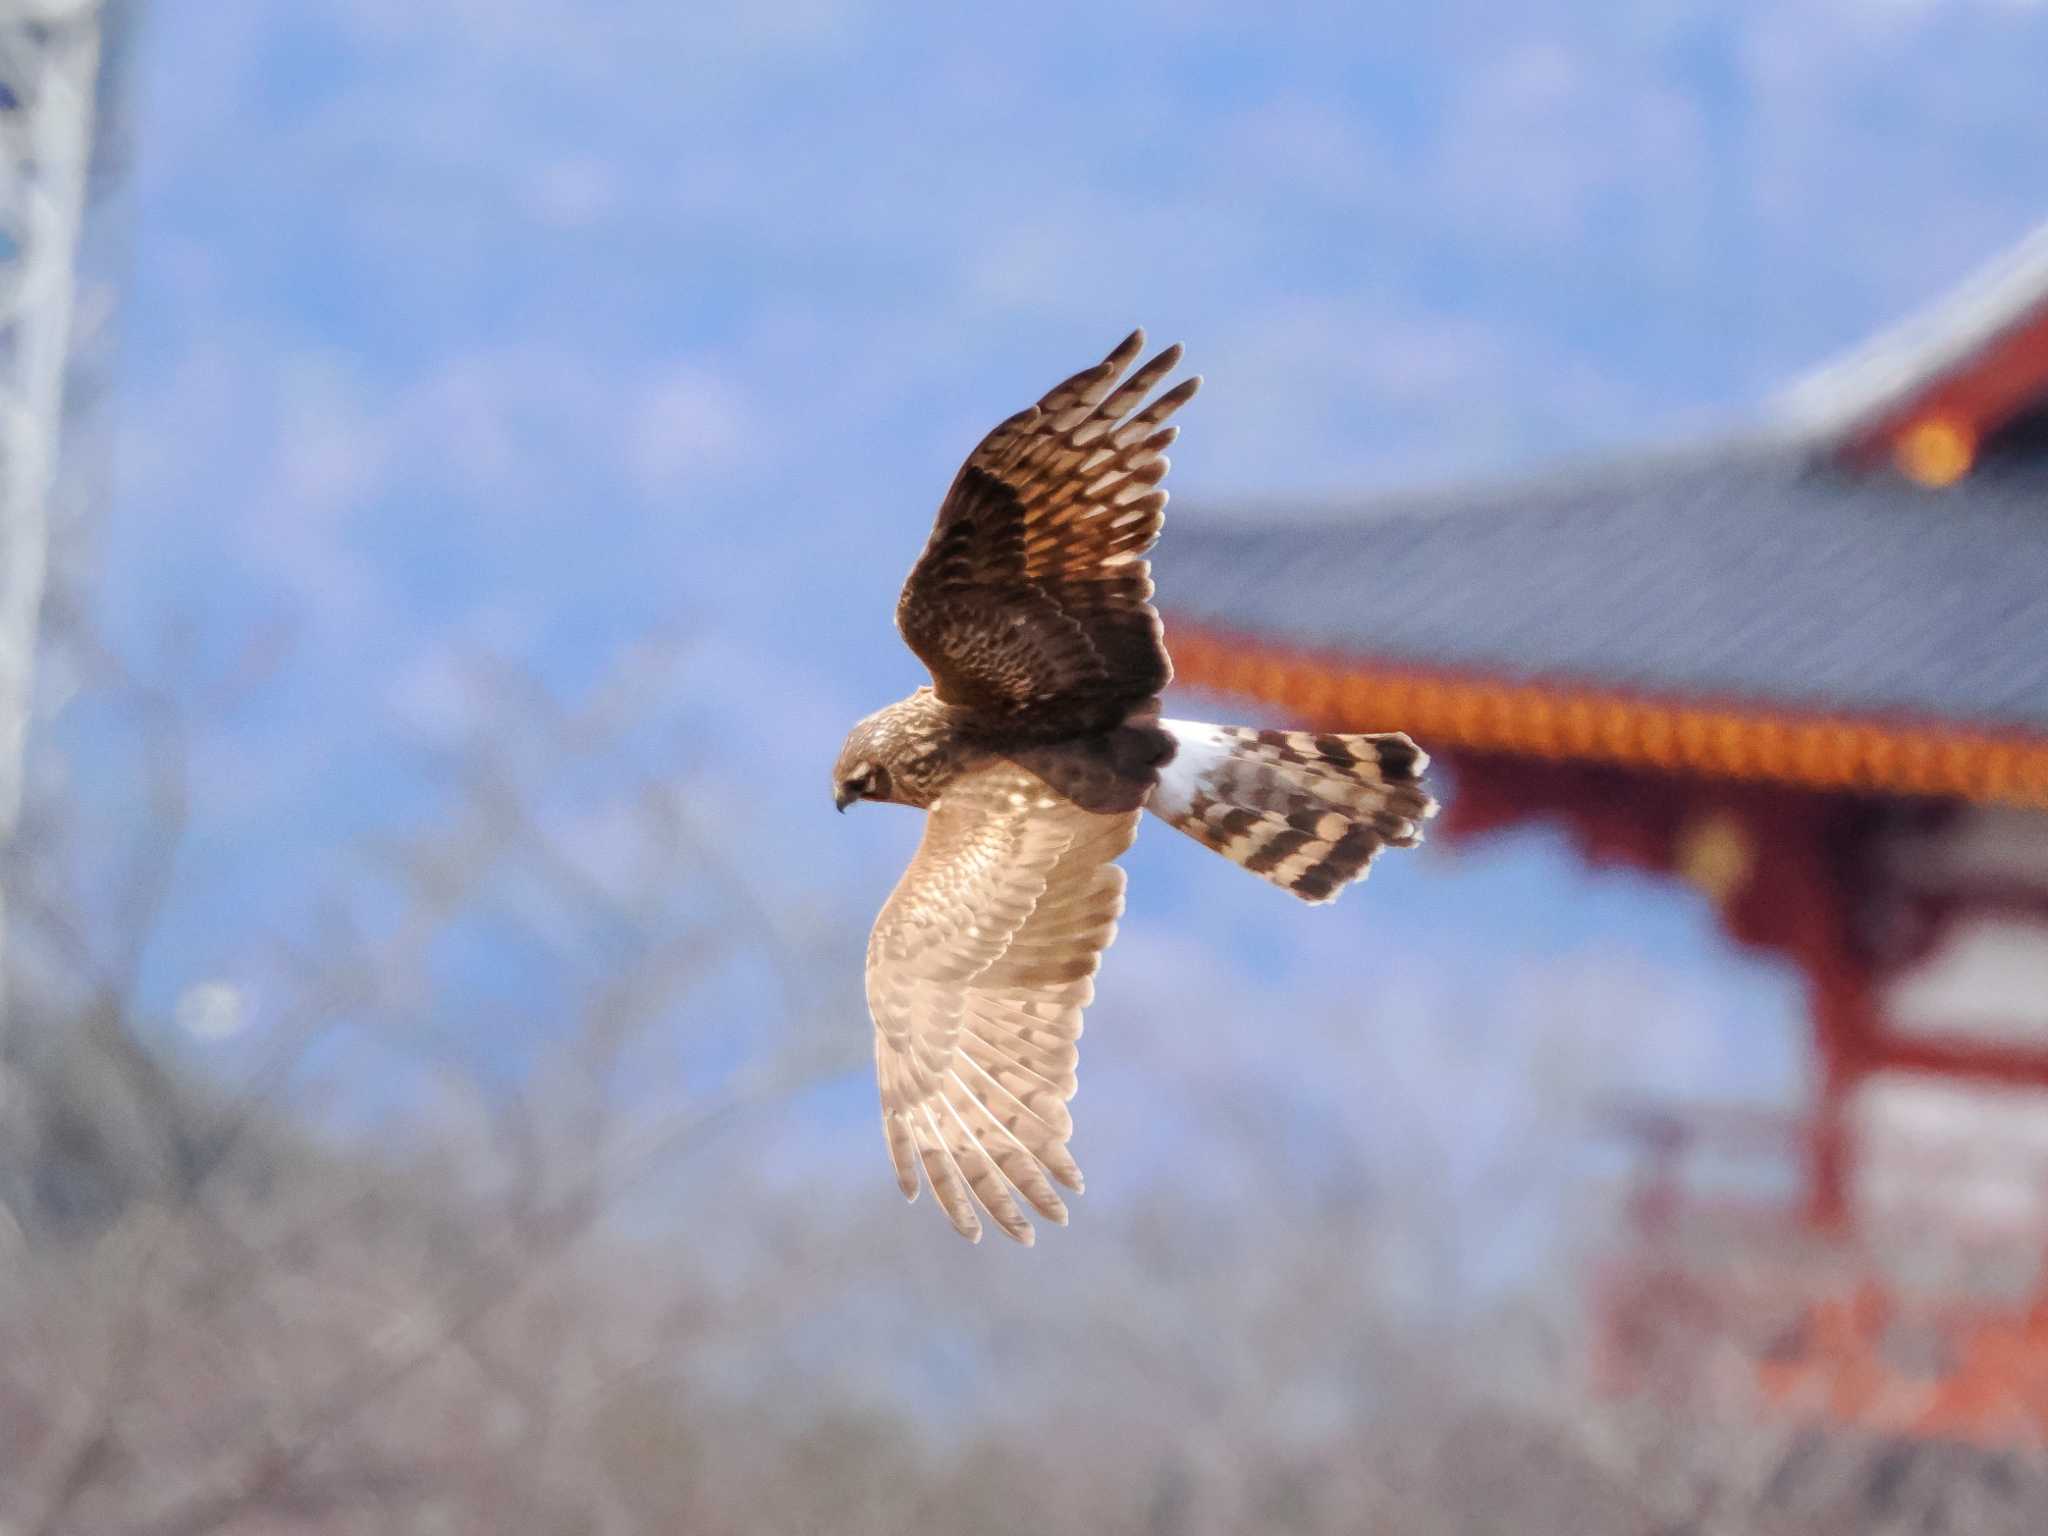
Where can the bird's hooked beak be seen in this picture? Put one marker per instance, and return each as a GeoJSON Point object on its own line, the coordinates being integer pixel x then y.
{"type": "Point", "coordinates": [841, 799]}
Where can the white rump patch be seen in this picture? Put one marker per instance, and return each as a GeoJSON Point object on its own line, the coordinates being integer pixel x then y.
{"type": "Point", "coordinates": [1199, 750]}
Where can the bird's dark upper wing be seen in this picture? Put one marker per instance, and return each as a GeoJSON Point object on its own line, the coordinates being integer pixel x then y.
{"type": "Point", "coordinates": [1033, 600]}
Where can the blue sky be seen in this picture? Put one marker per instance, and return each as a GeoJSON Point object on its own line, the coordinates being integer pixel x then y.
{"type": "Point", "coordinates": [481, 327]}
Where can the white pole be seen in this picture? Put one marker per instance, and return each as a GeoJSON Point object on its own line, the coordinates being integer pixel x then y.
{"type": "Point", "coordinates": [49, 72]}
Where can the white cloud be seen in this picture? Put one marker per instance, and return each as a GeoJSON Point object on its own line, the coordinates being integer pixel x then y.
{"type": "Point", "coordinates": [685, 421]}
{"type": "Point", "coordinates": [575, 191]}
{"type": "Point", "coordinates": [212, 1010]}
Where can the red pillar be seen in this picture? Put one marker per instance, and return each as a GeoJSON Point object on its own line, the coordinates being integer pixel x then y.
{"type": "Point", "coordinates": [1842, 1035]}
{"type": "Point", "coordinates": [1813, 864]}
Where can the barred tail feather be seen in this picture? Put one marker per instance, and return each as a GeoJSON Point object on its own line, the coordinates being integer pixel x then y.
{"type": "Point", "coordinates": [1305, 809]}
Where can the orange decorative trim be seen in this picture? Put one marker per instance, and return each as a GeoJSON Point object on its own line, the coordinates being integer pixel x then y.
{"type": "Point", "coordinates": [1838, 752]}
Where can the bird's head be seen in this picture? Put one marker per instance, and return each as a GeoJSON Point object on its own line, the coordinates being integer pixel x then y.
{"type": "Point", "coordinates": [861, 772]}
{"type": "Point", "coordinates": [896, 754]}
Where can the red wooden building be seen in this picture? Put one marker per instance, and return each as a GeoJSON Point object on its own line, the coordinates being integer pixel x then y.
{"type": "Point", "coordinates": [1805, 669]}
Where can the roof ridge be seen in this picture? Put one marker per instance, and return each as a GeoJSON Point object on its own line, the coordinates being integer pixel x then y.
{"type": "Point", "coordinates": [1849, 391]}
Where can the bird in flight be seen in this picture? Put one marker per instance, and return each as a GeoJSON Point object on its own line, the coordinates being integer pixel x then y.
{"type": "Point", "coordinates": [1033, 752]}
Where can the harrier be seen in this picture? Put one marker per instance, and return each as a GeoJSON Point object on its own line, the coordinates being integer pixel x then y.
{"type": "Point", "coordinates": [1033, 752]}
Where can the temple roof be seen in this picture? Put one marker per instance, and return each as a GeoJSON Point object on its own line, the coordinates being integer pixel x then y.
{"type": "Point", "coordinates": [1744, 572]}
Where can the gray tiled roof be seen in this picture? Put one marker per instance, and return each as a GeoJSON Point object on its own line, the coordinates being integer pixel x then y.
{"type": "Point", "coordinates": [1739, 573]}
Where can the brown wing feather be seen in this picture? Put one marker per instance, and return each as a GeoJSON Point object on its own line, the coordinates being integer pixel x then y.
{"type": "Point", "coordinates": [1033, 598]}
{"type": "Point", "coordinates": [978, 969]}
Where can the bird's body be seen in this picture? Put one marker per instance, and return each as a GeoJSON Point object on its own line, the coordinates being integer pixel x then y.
{"type": "Point", "coordinates": [1033, 753]}
{"type": "Point", "coordinates": [922, 743]}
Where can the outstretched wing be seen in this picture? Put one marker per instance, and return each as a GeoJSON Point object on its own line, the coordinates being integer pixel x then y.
{"type": "Point", "coordinates": [1033, 598]}
{"type": "Point", "coordinates": [978, 969]}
